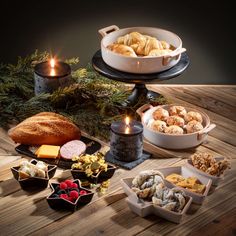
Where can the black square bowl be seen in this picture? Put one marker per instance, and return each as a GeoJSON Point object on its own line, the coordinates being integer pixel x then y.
{"type": "Point", "coordinates": [34, 183]}
{"type": "Point", "coordinates": [63, 204]}
{"type": "Point", "coordinates": [95, 179]}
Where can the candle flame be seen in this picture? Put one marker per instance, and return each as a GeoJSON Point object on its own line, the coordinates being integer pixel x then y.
{"type": "Point", "coordinates": [52, 63]}
{"type": "Point", "coordinates": [52, 72]}
{"type": "Point", "coordinates": [127, 120]}
{"type": "Point", "coordinates": [126, 130]}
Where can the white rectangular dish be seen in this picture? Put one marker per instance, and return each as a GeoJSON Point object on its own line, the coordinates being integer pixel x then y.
{"type": "Point", "coordinates": [187, 172]}
{"type": "Point", "coordinates": [144, 208]}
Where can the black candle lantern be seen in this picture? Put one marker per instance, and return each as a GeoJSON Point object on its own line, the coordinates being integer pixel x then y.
{"type": "Point", "coordinates": [50, 75]}
{"type": "Point", "coordinates": [126, 140]}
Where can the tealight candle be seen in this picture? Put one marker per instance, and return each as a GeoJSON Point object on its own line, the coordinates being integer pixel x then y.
{"type": "Point", "coordinates": [126, 140]}
{"type": "Point", "coordinates": [50, 75]}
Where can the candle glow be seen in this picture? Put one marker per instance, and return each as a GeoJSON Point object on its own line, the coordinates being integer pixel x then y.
{"type": "Point", "coordinates": [52, 63]}
{"type": "Point", "coordinates": [52, 72]}
{"type": "Point", "coordinates": [127, 120]}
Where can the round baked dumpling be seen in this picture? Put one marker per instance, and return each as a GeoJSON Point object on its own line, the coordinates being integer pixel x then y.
{"type": "Point", "coordinates": [175, 120]}
{"type": "Point", "coordinates": [177, 111]}
{"type": "Point", "coordinates": [160, 114]}
{"type": "Point", "coordinates": [157, 125]}
{"type": "Point", "coordinates": [193, 126]}
{"type": "Point", "coordinates": [193, 115]}
{"type": "Point", "coordinates": [174, 129]}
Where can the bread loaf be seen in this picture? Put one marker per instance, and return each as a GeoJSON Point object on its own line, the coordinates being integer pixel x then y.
{"type": "Point", "coordinates": [45, 128]}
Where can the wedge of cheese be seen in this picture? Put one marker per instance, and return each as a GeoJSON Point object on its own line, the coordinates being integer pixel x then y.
{"type": "Point", "coordinates": [48, 151]}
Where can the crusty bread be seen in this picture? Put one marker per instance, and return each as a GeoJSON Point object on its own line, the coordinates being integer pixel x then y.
{"type": "Point", "coordinates": [45, 128]}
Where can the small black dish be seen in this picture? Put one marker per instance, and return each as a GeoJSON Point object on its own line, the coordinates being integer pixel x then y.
{"type": "Point", "coordinates": [34, 183]}
{"type": "Point", "coordinates": [57, 203]}
{"type": "Point", "coordinates": [95, 179]}
{"type": "Point", "coordinates": [92, 147]}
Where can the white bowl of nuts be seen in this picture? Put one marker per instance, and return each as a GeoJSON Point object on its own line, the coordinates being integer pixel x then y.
{"type": "Point", "coordinates": [211, 167]}
{"type": "Point", "coordinates": [174, 126]}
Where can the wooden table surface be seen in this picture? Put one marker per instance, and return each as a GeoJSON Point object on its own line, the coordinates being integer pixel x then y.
{"type": "Point", "coordinates": [23, 213]}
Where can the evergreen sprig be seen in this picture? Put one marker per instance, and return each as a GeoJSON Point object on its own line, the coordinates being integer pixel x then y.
{"type": "Point", "coordinates": [93, 102]}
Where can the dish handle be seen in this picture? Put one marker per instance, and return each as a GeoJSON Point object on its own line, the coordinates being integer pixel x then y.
{"type": "Point", "coordinates": [173, 55]}
{"type": "Point", "coordinates": [108, 29]}
{"type": "Point", "coordinates": [143, 108]}
{"type": "Point", "coordinates": [204, 132]}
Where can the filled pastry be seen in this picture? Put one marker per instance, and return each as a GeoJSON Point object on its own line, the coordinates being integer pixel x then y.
{"type": "Point", "coordinates": [193, 115]}
{"type": "Point", "coordinates": [157, 125]}
{"type": "Point", "coordinates": [174, 129]}
{"type": "Point", "coordinates": [193, 126]}
{"type": "Point", "coordinates": [175, 120]}
{"type": "Point", "coordinates": [122, 49]}
{"type": "Point", "coordinates": [177, 111]}
{"type": "Point", "coordinates": [142, 45]}
{"type": "Point", "coordinates": [149, 185]}
{"type": "Point", "coordinates": [160, 114]}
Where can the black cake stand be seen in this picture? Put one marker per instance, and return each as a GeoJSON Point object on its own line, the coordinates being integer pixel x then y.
{"type": "Point", "coordinates": [140, 80]}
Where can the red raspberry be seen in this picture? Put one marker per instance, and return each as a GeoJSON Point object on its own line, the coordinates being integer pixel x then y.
{"type": "Point", "coordinates": [64, 196]}
{"type": "Point", "coordinates": [82, 192]}
{"type": "Point", "coordinates": [63, 185]}
{"type": "Point", "coordinates": [69, 183]}
{"type": "Point", "coordinates": [71, 199]}
{"type": "Point", "coordinates": [75, 185]}
{"type": "Point", "coordinates": [74, 194]}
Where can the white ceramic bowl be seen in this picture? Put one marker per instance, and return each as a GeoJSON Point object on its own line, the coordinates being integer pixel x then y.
{"type": "Point", "coordinates": [187, 172]}
{"type": "Point", "coordinates": [140, 65]}
{"type": "Point", "coordinates": [215, 179]}
{"type": "Point", "coordinates": [170, 141]}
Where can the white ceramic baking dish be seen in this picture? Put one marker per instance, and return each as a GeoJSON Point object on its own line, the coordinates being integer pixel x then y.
{"type": "Point", "coordinates": [187, 172]}
{"type": "Point", "coordinates": [140, 65]}
{"type": "Point", "coordinates": [144, 208]}
{"type": "Point", "coordinates": [171, 141]}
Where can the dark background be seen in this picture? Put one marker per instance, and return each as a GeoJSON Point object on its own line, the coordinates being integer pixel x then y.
{"type": "Point", "coordinates": [69, 28]}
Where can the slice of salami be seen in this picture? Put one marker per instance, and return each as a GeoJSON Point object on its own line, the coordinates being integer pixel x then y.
{"type": "Point", "coordinates": [72, 148]}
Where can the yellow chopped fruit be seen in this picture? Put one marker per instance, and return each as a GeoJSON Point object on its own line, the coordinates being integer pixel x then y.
{"type": "Point", "coordinates": [48, 151]}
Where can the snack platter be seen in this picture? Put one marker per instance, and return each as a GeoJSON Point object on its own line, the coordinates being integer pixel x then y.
{"type": "Point", "coordinates": [92, 146]}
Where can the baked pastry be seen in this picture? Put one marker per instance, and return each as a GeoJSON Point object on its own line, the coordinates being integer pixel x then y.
{"type": "Point", "coordinates": [177, 111]}
{"type": "Point", "coordinates": [160, 114]}
{"type": "Point", "coordinates": [193, 126]}
{"type": "Point", "coordinates": [133, 38]}
{"type": "Point", "coordinates": [174, 129]}
{"type": "Point", "coordinates": [193, 115]}
{"type": "Point", "coordinates": [122, 49]}
{"type": "Point", "coordinates": [159, 52]}
{"type": "Point", "coordinates": [175, 120]}
{"type": "Point", "coordinates": [142, 45]}
{"type": "Point", "coordinates": [157, 125]}
{"type": "Point", "coordinates": [45, 128]}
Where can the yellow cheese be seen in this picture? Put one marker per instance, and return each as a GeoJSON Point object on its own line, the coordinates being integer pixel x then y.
{"type": "Point", "coordinates": [48, 151]}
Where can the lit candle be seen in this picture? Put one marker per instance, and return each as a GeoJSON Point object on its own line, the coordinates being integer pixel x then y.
{"type": "Point", "coordinates": [50, 75]}
{"type": "Point", "coordinates": [52, 64]}
{"type": "Point", "coordinates": [126, 140]}
{"type": "Point", "coordinates": [127, 125]}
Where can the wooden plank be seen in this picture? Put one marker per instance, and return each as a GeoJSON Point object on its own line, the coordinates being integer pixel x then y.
{"type": "Point", "coordinates": [211, 104]}
{"type": "Point", "coordinates": [219, 95]}
{"type": "Point", "coordinates": [223, 225]}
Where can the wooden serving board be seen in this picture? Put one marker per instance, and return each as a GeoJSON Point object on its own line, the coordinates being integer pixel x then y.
{"type": "Point", "coordinates": [92, 147]}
